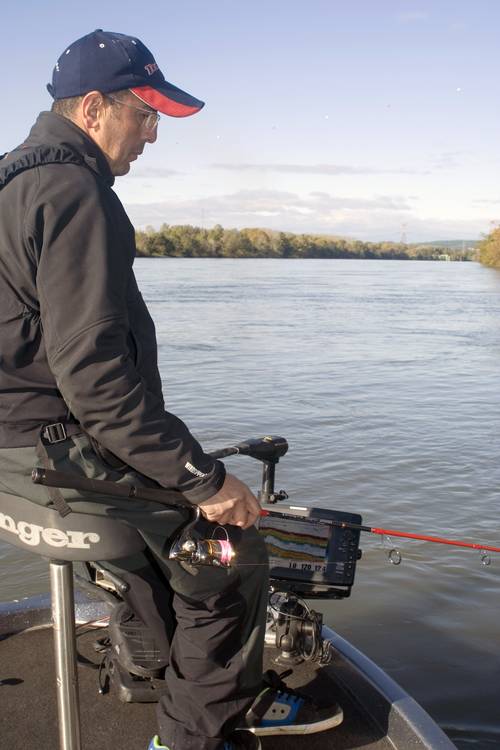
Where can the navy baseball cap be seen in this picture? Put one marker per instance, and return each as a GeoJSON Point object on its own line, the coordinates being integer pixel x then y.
{"type": "Point", "coordinates": [105, 61]}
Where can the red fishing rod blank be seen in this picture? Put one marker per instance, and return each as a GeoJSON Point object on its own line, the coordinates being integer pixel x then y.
{"type": "Point", "coordinates": [422, 537]}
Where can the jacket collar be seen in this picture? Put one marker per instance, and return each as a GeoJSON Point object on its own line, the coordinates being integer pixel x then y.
{"type": "Point", "coordinates": [51, 129]}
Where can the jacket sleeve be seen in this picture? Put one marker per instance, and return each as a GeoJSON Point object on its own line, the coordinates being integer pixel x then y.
{"type": "Point", "coordinates": [85, 246]}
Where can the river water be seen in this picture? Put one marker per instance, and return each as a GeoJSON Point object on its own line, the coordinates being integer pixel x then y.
{"type": "Point", "coordinates": [385, 379]}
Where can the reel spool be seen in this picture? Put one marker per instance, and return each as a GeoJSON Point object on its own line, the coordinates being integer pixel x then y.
{"type": "Point", "coordinates": [187, 548]}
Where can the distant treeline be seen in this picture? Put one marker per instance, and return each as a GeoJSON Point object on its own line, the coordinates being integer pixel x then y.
{"type": "Point", "coordinates": [489, 249]}
{"type": "Point", "coordinates": [187, 241]}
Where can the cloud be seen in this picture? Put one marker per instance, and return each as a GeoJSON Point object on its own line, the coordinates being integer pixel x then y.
{"type": "Point", "coordinates": [326, 202]}
{"type": "Point", "coordinates": [376, 217]}
{"type": "Point", "coordinates": [487, 201]}
{"type": "Point", "coordinates": [325, 169]}
{"type": "Point", "coordinates": [413, 16]}
{"type": "Point", "coordinates": [246, 205]}
{"type": "Point", "coordinates": [447, 160]}
{"type": "Point", "coordinates": [153, 172]}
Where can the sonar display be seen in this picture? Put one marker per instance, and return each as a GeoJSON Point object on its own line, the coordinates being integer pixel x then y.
{"type": "Point", "coordinates": [290, 540]}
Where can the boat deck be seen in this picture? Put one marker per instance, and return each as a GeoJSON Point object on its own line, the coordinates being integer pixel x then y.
{"type": "Point", "coordinates": [29, 717]}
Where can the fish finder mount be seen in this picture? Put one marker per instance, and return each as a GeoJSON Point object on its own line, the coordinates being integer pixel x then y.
{"type": "Point", "coordinates": [311, 555]}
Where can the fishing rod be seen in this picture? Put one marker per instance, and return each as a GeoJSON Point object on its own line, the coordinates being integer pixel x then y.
{"type": "Point", "coordinates": [172, 499]}
{"type": "Point", "coordinates": [410, 535]}
{"type": "Point", "coordinates": [267, 450]}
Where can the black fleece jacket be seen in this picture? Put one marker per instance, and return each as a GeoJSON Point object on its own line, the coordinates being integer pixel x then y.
{"type": "Point", "coordinates": [75, 334]}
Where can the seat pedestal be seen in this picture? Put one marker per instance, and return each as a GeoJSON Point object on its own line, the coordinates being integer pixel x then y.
{"type": "Point", "coordinates": [63, 622]}
{"type": "Point", "coordinates": [79, 536]}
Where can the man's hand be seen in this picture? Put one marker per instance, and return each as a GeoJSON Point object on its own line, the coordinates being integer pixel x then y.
{"type": "Point", "coordinates": [234, 503]}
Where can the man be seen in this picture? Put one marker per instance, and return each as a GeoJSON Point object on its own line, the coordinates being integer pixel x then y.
{"type": "Point", "coordinates": [80, 388]}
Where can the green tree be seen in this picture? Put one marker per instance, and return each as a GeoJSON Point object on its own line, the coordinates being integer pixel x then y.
{"type": "Point", "coordinates": [489, 249]}
{"type": "Point", "coordinates": [188, 241]}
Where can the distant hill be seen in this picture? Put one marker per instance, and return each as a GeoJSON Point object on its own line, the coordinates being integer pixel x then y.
{"type": "Point", "coordinates": [449, 245]}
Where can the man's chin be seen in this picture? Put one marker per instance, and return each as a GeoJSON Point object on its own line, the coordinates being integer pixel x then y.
{"type": "Point", "coordinates": [121, 169]}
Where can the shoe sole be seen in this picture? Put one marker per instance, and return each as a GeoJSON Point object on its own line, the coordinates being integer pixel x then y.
{"type": "Point", "coordinates": [318, 726]}
{"type": "Point", "coordinates": [255, 740]}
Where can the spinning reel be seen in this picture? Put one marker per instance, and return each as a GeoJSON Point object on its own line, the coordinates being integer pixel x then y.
{"type": "Point", "coordinates": [191, 550]}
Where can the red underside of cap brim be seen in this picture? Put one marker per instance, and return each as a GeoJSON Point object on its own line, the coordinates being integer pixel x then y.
{"type": "Point", "coordinates": [162, 103]}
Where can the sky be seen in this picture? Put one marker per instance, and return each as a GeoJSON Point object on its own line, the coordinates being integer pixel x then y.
{"type": "Point", "coordinates": [373, 119]}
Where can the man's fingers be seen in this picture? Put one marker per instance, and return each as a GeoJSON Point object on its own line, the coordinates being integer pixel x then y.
{"type": "Point", "coordinates": [234, 504]}
{"type": "Point", "coordinates": [237, 513]}
{"type": "Point", "coordinates": [253, 505]}
{"type": "Point", "coordinates": [216, 513]}
{"type": "Point", "coordinates": [241, 517]}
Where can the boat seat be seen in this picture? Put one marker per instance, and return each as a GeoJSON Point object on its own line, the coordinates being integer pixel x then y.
{"type": "Point", "coordinates": [76, 537]}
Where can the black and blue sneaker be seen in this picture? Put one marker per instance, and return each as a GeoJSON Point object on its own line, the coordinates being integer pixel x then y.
{"type": "Point", "coordinates": [241, 739]}
{"type": "Point", "coordinates": [155, 744]}
{"type": "Point", "coordinates": [280, 710]}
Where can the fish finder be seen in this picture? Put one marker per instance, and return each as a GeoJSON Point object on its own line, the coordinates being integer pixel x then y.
{"type": "Point", "coordinates": [310, 553]}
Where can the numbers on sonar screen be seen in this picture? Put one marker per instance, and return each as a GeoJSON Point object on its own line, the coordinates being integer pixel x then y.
{"type": "Point", "coordinates": [307, 566]}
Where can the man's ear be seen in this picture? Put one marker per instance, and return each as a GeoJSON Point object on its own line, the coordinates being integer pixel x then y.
{"type": "Point", "coordinates": [91, 110]}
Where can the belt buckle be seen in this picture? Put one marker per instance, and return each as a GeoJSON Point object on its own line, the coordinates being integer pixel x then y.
{"type": "Point", "coordinates": [55, 433]}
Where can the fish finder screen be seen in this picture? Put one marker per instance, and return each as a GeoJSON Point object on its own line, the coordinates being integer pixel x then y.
{"type": "Point", "coordinates": [309, 547]}
{"type": "Point", "coordinates": [295, 544]}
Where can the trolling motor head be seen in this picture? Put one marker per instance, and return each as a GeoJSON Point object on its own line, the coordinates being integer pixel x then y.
{"type": "Point", "coordinates": [269, 450]}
